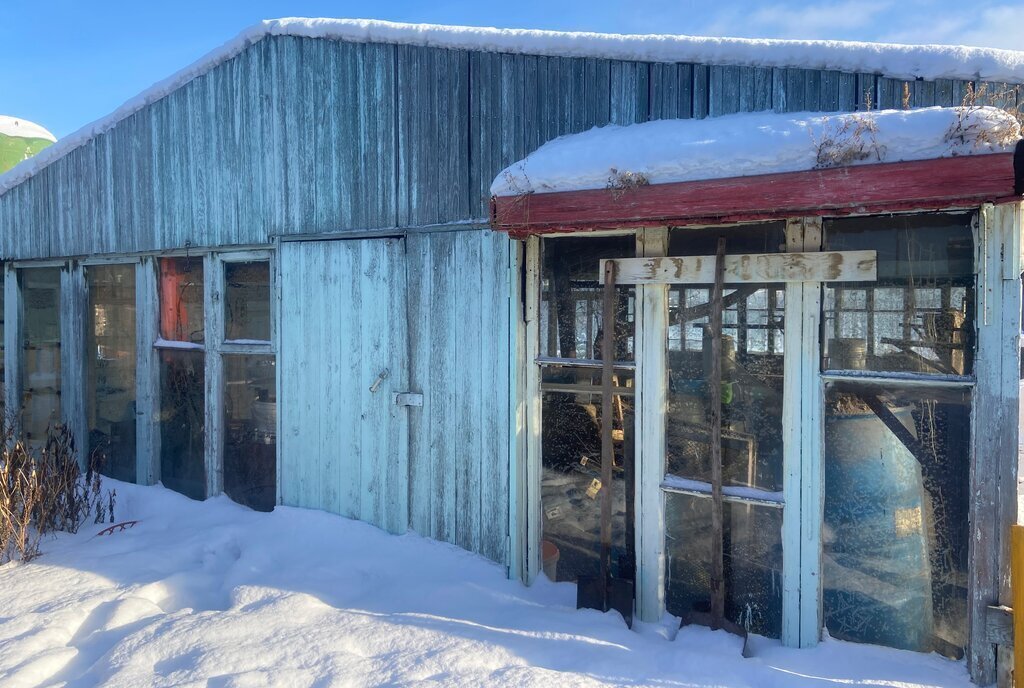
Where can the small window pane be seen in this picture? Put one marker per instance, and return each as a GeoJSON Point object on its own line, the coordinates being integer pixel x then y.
{"type": "Point", "coordinates": [247, 301]}
{"type": "Point", "coordinates": [40, 289]}
{"type": "Point", "coordinates": [571, 488]}
{"type": "Point", "coordinates": [895, 536]}
{"type": "Point", "coordinates": [110, 368]}
{"type": "Point", "coordinates": [752, 557]}
{"type": "Point", "coordinates": [571, 298]}
{"type": "Point", "coordinates": [919, 315]}
{"type": "Point", "coordinates": [181, 299]}
{"type": "Point", "coordinates": [250, 424]}
{"type": "Point", "coordinates": [182, 409]}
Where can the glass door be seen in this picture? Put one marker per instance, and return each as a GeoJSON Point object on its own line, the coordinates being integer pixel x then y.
{"type": "Point", "coordinates": [752, 404]}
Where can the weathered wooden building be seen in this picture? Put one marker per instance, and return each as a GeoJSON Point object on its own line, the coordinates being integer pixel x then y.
{"type": "Point", "coordinates": [275, 276]}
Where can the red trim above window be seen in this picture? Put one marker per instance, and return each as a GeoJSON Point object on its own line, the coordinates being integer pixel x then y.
{"type": "Point", "coordinates": [938, 184]}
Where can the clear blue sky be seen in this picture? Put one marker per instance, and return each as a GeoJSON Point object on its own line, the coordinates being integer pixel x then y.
{"type": "Point", "coordinates": [65, 63]}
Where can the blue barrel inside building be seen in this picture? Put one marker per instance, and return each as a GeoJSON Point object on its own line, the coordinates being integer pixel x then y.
{"type": "Point", "coordinates": [877, 577]}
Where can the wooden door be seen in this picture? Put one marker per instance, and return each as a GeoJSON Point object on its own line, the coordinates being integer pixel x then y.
{"type": "Point", "coordinates": [343, 361]}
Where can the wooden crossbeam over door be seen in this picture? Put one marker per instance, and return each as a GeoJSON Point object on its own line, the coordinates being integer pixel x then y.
{"type": "Point", "coordinates": [831, 266]}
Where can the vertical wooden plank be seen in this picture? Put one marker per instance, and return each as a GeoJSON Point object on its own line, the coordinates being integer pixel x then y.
{"type": "Point", "coordinates": [828, 94]}
{"type": "Point", "coordinates": [987, 422]}
{"type": "Point", "coordinates": [13, 327]}
{"type": "Point", "coordinates": [848, 97]}
{"type": "Point", "coordinates": [213, 333]}
{"type": "Point", "coordinates": [812, 453]}
{"type": "Point", "coordinates": [629, 90]}
{"type": "Point", "coordinates": [394, 465]}
{"type": "Point", "coordinates": [652, 403]}
{"type": "Point", "coordinates": [723, 90]}
{"type": "Point", "coordinates": [517, 457]}
{"type": "Point", "coordinates": [494, 382]}
{"type": "Point", "coordinates": [1008, 218]}
{"type": "Point", "coordinates": [468, 360]}
{"type": "Point", "coordinates": [762, 94]}
{"type": "Point", "coordinates": [74, 302]}
{"type": "Point", "coordinates": [779, 90]}
{"type": "Point", "coordinates": [700, 91]}
{"type": "Point", "coordinates": [147, 375]}
{"type": "Point", "coordinates": [532, 409]}
{"type": "Point", "coordinates": [419, 267]}
{"type": "Point", "coordinates": [890, 94]}
{"type": "Point", "coordinates": [671, 91]}
{"type": "Point", "coordinates": [867, 92]}
{"type": "Point", "coordinates": [444, 440]}
{"type": "Point", "coordinates": [792, 413]}
{"type": "Point", "coordinates": [336, 491]}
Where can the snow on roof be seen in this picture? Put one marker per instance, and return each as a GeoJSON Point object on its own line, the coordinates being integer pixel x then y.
{"type": "Point", "coordinates": [897, 61]}
{"type": "Point", "coordinates": [22, 128]}
{"type": "Point", "coordinates": [753, 143]}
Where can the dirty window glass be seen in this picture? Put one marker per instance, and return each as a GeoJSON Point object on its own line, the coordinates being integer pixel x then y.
{"type": "Point", "coordinates": [571, 297]}
{"type": "Point", "coordinates": [895, 535]}
{"type": "Point", "coordinates": [40, 289]}
{"type": "Point", "coordinates": [571, 472]}
{"type": "Point", "coordinates": [752, 556]}
{"type": "Point", "coordinates": [247, 301]}
{"type": "Point", "coordinates": [250, 430]}
{"type": "Point", "coordinates": [182, 409]}
{"type": "Point", "coordinates": [919, 315]}
{"type": "Point", "coordinates": [110, 368]}
{"type": "Point", "coordinates": [181, 299]}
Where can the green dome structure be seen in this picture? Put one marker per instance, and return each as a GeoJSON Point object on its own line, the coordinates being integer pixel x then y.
{"type": "Point", "coordinates": [20, 140]}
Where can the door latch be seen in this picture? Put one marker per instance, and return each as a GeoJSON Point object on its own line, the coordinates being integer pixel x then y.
{"type": "Point", "coordinates": [380, 378]}
{"type": "Point", "coordinates": [408, 399]}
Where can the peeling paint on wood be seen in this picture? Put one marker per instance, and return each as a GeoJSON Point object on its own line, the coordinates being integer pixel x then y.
{"type": "Point", "coordinates": [833, 266]}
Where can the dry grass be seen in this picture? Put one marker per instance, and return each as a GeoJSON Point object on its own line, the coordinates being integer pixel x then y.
{"type": "Point", "coordinates": [846, 140]}
{"type": "Point", "coordinates": [44, 491]}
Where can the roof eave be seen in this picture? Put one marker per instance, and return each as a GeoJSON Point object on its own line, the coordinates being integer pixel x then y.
{"type": "Point", "coordinates": [935, 184]}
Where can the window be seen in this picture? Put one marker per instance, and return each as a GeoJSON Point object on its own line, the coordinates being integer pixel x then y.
{"type": "Point", "coordinates": [41, 382]}
{"type": "Point", "coordinates": [110, 368]}
{"type": "Point", "coordinates": [250, 385]}
{"type": "Point", "coordinates": [182, 375]}
{"type": "Point", "coordinates": [247, 301]}
{"type": "Point", "coordinates": [919, 316]}
{"type": "Point", "coordinates": [571, 334]}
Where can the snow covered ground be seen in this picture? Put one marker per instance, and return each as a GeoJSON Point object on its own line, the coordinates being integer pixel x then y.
{"type": "Point", "coordinates": [214, 594]}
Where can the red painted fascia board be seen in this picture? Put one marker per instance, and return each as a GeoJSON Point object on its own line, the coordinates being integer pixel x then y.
{"type": "Point", "coordinates": [936, 184]}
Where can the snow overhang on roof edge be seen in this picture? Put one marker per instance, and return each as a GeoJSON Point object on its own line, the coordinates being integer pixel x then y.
{"type": "Point", "coordinates": [892, 60]}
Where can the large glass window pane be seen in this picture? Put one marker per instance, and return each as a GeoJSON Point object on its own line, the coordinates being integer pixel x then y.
{"type": "Point", "coordinates": [40, 289]}
{"type": "Point", "coordinates": [571, 488]}
{"type": "Point", "coordinates": [182, 408]}
{"type": "Point", "coordinates": [247, 301]}
{"type": "Point", "coordinates": [110, 368]}
{"type": "Point", "coordinates": [752, 557]}
{"type": "Point", "coordinates": [571, 297]}
{"type": "Point", "coordinates": [250, 430]}
{"type": "Point", "coordinates": [181, 299]}
{"type": "Point", "coordinates": [919, 315]}
{"type": "Point", "coordinates": [895, 537]}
